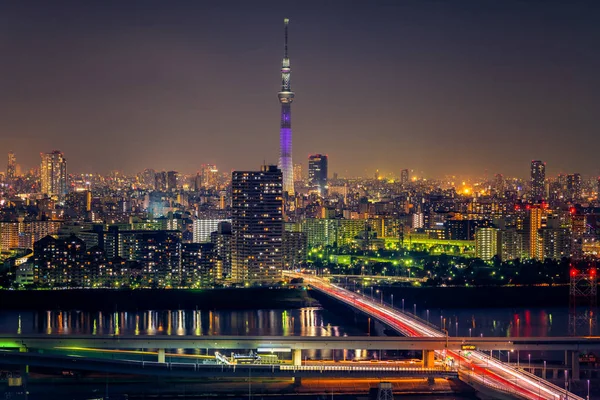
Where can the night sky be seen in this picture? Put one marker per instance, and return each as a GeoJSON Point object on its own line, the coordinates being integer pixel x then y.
{"type": "Point", "coordinates": [439, 87]}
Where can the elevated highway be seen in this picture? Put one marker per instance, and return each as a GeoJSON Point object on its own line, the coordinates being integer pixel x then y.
{"type": "Point", "coordinates": [290, 343]}
{"type": "Point", "coordinates": [195, 370]}
{"type": "Point", "coordinates": [476, 368]}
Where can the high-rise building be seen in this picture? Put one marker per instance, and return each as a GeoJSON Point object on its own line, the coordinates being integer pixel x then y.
{"type": "Point", "coordinates": [499, 184]}
{"type": "Point", "coordinates": [11, 168]}
{"type": "Point", "coordinates": [555, 240]}
{"type": "Point", "coordinates": [171, 181]}
{"type": "Point", "coordinates": [160, 181]}
{"type": "Point", "coordinates": [487, 243]}
{"type": "Point", "coordinates": [598, 190]}
{"type": "Point", "coordinates": [538, 179]}
{"type": "Point", "coordinates": [404, 176]}
{"type": "Point", "coordinates": [512, 244]}
{"type": "Point", "coordinates": [221, 239]}
{"type": "Point", "coordinates": [574, 187]}
{"type": "Point", "coordinates": [536, 215]}
{"type": "Point", "coordinates": [53, 173]}
{"type": "Point", "coordinates": [257, 223]}
{"type": "Point", "coordinates": [286, 97]}
{"type": "Point", "coordinates": [210, 176]}
{"type": "Point", "coordinates": [317, 173]}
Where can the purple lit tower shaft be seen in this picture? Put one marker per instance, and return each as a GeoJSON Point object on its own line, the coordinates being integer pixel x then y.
{"type": "Point", "coordinates": [286, 97]}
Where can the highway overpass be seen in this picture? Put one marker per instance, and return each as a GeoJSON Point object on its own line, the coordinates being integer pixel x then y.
{"type": "Point", "coordinates": [290, 343]}
{"type": "Point", "coordinates": [475, 367]}
{"type": "Point", "coordinates": [193, 369]}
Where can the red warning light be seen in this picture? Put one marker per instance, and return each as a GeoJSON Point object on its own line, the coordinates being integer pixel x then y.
{"type": "Point", "coordinates": [593, 272]}
{"type": "Point", "coordinates": [572, 210]}
{"type": "Point", "coordinates": [573, 272]}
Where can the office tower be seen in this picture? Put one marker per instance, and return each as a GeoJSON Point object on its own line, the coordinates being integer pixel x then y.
{"type": "Point", "coordinates": [598, 190]}
{"type": "Point", "coordinates": [487, 243]}
{"type": "Point", "coordinates": [538, 178]}
{"type": "Point", "coordinates": [499, 183]}
{"type": "Point", "coordinates": [53, 173]}
{"type": "Point", "coordinates": [221, 239]}
{"type": "Point", "coordinates": [574, 187]}
{"type": "Point", "coordinates": [536, 215]}
{"type": "Point", "coordinates": [171, 181]}
{"type": "Point", "coordinates": [286, 97]}
{"type": "Point", "coordinates": [317, 173]}
{"type": "Point", "coordinates": [160, 182]}
{"type": "Point", "coordinates": [257, 224]}
{"type": "Point", "coordinates": [11, 168]}
{"type": "Point", "coordinates": [404, 176]}
{"type": "Point", "coordinates": [210, 176]}
{"type": "Point", "coordinates": [147, 178]}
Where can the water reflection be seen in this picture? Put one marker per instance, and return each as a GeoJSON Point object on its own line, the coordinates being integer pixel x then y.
{"type": "Point", "coordinates": [505, 322]}
{"type": "Point", "coordinates": [306, 322]}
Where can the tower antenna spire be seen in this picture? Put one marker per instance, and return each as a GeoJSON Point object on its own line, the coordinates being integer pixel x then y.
{"type": "Point", "coordinates": [286, 21]}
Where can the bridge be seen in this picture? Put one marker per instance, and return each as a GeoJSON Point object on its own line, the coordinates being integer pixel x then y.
{"type": "Point", "coordinates": [296, 343]}
{"type": "Point", "coordinates": [389, 278]}
{"type": "Point", "coordinates": [196, 370]}
{"type": "Point", "coordinates": [481, 371]}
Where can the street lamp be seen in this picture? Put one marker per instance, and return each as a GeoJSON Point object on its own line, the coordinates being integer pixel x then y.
{"type": "Point", "coordinates": [529, 356]}
{"type": "Point", "coordinates": [371, 293]}
{"type": "Point", "coordinates": [588, 396]}
{"type": "Point", "coordinates": [566, 383]}
{"type": "Point", "coordinates": [427, 315]}
{"type": "Point", "coordinates": [544, 373]}
{"type": "Point", "coordinates": [469, 332]}
{"type": "Point", "coordinates": [402, 305]}
{"type": "Point", "coordinates": [392, 301]}
{"type": "Point", "coordinates": [415, 309]}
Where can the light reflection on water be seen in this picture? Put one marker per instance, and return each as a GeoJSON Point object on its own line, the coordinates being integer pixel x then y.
{"type": "Point", "coordinates": [505, 322]}
{"type": "Point", "coordinates": [310, 321]}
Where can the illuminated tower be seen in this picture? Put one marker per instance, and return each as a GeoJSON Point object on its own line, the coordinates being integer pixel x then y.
{"type": "Point", "coordinates": [538, 179]}
{"type": "Point", "coordinates": [317, 173]}
{"type": "Point", "coordinates": [53, 174]}
{"type": "Point", "coordinates": [286, 96]}
{"type": "Point", "coordinates": [11, 168]}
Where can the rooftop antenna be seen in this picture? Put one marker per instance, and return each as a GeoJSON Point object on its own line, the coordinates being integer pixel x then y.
{"type": "Point", "coordinates": [286, 21]}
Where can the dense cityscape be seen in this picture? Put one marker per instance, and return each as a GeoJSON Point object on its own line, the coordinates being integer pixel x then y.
{"type": "Point", "coordinates": [169, 229]}
{"type": "Point", "coordinates": [165, 229]}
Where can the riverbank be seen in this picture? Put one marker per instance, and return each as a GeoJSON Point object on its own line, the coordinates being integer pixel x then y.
{"type": "Point", "coordinates": [154, 299]}
{"type": "Point", "coordinates": [261, 298]}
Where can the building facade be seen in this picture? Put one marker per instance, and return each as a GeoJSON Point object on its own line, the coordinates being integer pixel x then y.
{"type": "Point", "coordinates": [257, 224]}
{"type": "Point", "coordinates": [53, 175]}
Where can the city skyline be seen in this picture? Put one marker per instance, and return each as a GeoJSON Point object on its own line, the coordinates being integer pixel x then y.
{"type": "Point", "coordinates": [152, 88]}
